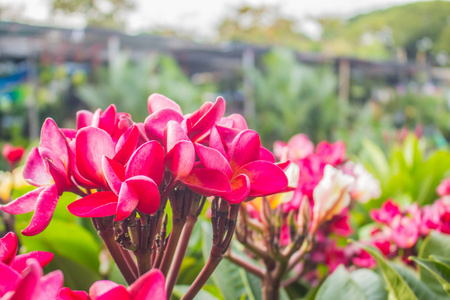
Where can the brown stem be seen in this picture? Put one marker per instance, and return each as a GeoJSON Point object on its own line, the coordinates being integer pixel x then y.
{"type": "Point", "coordinates": [252, 268]}
{"type": "Point", "coordinates": [143, 261]}
{"type": "Point", "coordinates": [270, 288]}
{"type": "Point", "coordinates": [130, 261]}
{"type": "Point", "coordinates": [169, 252]}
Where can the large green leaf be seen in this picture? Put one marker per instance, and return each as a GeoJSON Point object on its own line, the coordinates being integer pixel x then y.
{"type": "Point", "coordinates": [419, 288]}
{"type": "Point", "coordinates": [361, 284]}
{"type": "Point", "coordinates": [436, 245]}
{"type": "Point", "coordinates": [438, 269]}
{"type": "Point", "coordinates": [227, 276]}
{"type": "Point", "coordinates": [397, 286]}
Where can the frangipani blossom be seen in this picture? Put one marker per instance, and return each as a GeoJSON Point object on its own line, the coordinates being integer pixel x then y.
{"type": "Point", "coordinates": [12, 154]}
{"type": "Point", "coordinates": [331, 195]}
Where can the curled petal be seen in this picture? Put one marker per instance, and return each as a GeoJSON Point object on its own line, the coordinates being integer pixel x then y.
{"type": "Point", "coordinates": [50, 285]}
{"type": "Point", "coordinates": [213, 159]}
{"type": "Point", "coordinates": [55, 167]}
{"type": "Point", "coordinates": [151, 285]}
{"type": "Point", "coordinates": [265, 177]}
{"type": "Point", "coordinates": [173, 134]}
{"type": "Point", "coordinates": [238, 121]}
{"type": "Point", "coordinates": [35, 172]}
{"type": "Point", "coordinates": [45, 206]}
{"type": "Point", "coordinates": [114, 174]}
{"type": "Point", "coordinates": [28, 287]}
{"type": "Point", "coordinates": [265, 154]}
{"type": "Point", "coordinates": [106, 290]}
{"type": "Point", "coordinates": [147, 160]}
{"type": "Point", "coordinates": [126, 145]}
{"type": "Point", "coordinates": [240, 186]}
{"type": "Point", "coordinates": [180, 160]}
{"type": "Point", "coordinates": [91, 144]}
{"type": "Point", "coordinates": [84, 118]}
{"type": "Point", "coordinates": [52, 138]}
{"type": "Point", "coordinates": [67, 294]}
{"type": "Point", "coordinates": [201, 126]}
{"type": "Point", "coordinates": [157, 121]}
{"type": "Point", "coordinates": [227, 136]}
{"type": "Point", "coordinates": [208, 182]}
{"type": "Point", "coordinates": [245, 148]}
{"type": "Point", "coordinates": [157, 102]}
{"type": "Point", "coordinates": [24, 204]}
{"type": "Point", "coordinates": [100, 204]}
{"type": "Point", "coordinates": [8, 248]}
{"type": "Point", "coordinates": [20, 262]}
{"type": "Point", "coordinates": [107, 120]}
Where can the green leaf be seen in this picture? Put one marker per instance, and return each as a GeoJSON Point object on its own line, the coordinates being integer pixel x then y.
{"type": "Point", "coordinates": [361, 284]}
{"type": "Point", "coordinates": [227, 276]}
{"type": "Point", "coordinates": [419, 288]}
{"type": "Point", "coordinates": [378, 163]}
{"type": "Point", "coordinates": [252, 285]}
{"type": "Point", "coordinates": [439, 270]}
{"type": "Point", "coordinates": [435, 245]}
{"type": "Point", "coordinates": [65, 239]}
{"type": "Point", "coordinates": [180, 290]}
{"type": "Point", "coordinates": [397, 286]}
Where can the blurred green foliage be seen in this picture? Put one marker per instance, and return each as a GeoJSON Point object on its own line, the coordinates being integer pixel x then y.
{"type": "Point", "coordinates": [128, 84]}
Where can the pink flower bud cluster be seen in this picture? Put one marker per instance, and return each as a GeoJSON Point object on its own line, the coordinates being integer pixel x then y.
{"type": "Point", "coordinates": [398, 230]}
{"type": "Point", "coordinates": [22, 279]}
{"type": "Point", "coordinates": [119, 166]}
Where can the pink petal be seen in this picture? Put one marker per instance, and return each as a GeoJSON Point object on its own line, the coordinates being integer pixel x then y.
{"type": "Point", "coordinates": [173, 133]}
{"type": "Point", "coordinates": [126, 145]}
{"type": "Point", "coordinates": [100, 204]}
{"type": "Point", "coordinates": [107, 120]}
{"type": "Point", "coordinates": [180, 160]}
{"type": "Point", "coordinates": [209, 119]}
{"type": "Point", "coordinates": [107, 290]}
{"type": "Point", "coordinates": [24, 204]}
{"type": "Point", "coordinates": [55, 167]}
{"type": "Point", "coordinates": [20, 262]}
{"type": "Point", "coordinates": [35, 172]}
{"type": "Point", "coordinates": [27, 289]}
{"type": "Point", "coordinates": [244, 149]}
{"type": "Point", "coordinates": [157, 102]}
{"type": "Point", "coordinates": [91, 144]}
{"type": "Point", "coordinates": [151, 285]}
{"type": "Point", "coordinates": [67, 294]}
{"type": "Point", "coordinates": [300, 147]}
{"type": "Point", "coordinates": [265, 154]}
{"type": "Point", "coordinates": [240, 186]}
{"type": "Point", "coordinates": [8, 248]}
{"type": "Point", "coordinates": [238, 121]}
{"type": "Point", "coordinates": [157, 121]}
{"type": "Point", "coordinates": [45, 206]}
{"type": "Point", "coordinates": [84, 118]}
{"type": "Point", "coordinates": [147, 160]}
{"type": "Point", "coordinates": [216, 142]}
{"type": "Point", "coordinates": [69, 133]}
{"type": "Point", "coordinates": [137, 192]}
{"type": "Point", "coordinates": [52, 138]}
{"type": "Point", "coordinates": [213, 159]}
{"type": "Point", "coordinates": [9, 279]}
{"type": "Point", "coordinates": [227, 135]}
{"type": "Point", "coordinates": [265, 177]}
{"type": "Point", "coordinates": [80, 180]}
{"type": "Point", "coordinates": [208, 182]}
{"type": "Point", "coordinates": [50, 285]}
{"type": "Point", "coordinates": [114, 174]}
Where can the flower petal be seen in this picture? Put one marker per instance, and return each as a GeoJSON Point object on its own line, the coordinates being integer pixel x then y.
{"type": "Point", "coordinates": [45, 206]}
{"type": "Point", "coordinates": [106, 290]}
{"type": "Point", "coordinates": [67, 294]}
{"type": "Point", "coordinates": [157, 121]}
{"type": "Point", "coordinates": [9, 279]}
{"type": "Point", "coordinates": [114, 174]}
{"type": "Point", "coordinates": [265, 154]}
{"type": "Point", "coordinates": [213, 159]}
{"type": "Point", "coordinates": [126, 145]}
{"type": "Point", "coordinates": [173, 133]}
{"type": "Point", "coordinates": [128, 200]}
{"type": "Point", "coordinates": [157, 102]}
{"type": "Point", "coordinates": [91, 144]}
{"type": "Point", "coordinates": [265, 177]}
{"type": "Point", "coordinates": [210, 118]}
{"type": "Point", "coordinates": [24, 204]}
{"type": "Point", "coordinates": [50, 285]}
{"type": "Point", "coordinates": [180, 160]}
{"type": "Point", "coordinates": [151, 285]}
{"type": "Point", "coordinates": [28, 287]}
{"type": "Point", "coordinates": [240, 186]}
{"type": "Point", "coordinates": [245, 148]}
{"type": "Point", "coordinates": [100, 204]}
{"type": "Point", "coordinates": [55, 167]}
{"type": "Point", "coordinates": [147, 160]}
{"type": "Point", "coordinates": [107, 120]}
{"type": "Point", "coordinates": [52, 138]}
{"type": "Point", "coordinates": [84, 118]}
{"type": "Point", "coordinates": [35, 172]}
{"type": "Point", "coordinates": [8, 248]}
{"type": "Point", "coordinates": [208, 182]}
{"type": "Point", "coordinates": [20, 262]}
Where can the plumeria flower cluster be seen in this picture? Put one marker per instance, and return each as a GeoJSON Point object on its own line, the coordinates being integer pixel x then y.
{"type": "Point", "coordinates": [398, 230]}
{"type": "Point", "coordinates": [283, 229]}
{"type": "Point", "coordinates": [22, 279]}
{"type": "Point", "coordinates": [126, 172]}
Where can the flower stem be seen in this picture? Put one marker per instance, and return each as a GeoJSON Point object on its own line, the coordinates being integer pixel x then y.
{"type": "Point", "coordinates": [143, 261]}
{"type": "Point", "coordinates": [169, 252]}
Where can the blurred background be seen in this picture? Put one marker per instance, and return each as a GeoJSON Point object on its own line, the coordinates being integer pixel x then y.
{"type": "Point", "coordinates": [337, 70]}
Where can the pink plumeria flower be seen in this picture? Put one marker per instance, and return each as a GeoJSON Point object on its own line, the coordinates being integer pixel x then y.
{"type": "Point", "coordinates": [12, 154]}
{"type": "Point", "coordinates": [331, 195]}
{"type": "Point", "coordinates": [48, 168]}
{"type": "Point", "coordinates": [149, 286]}
{"type": "Point", "coordinates": [298, 147]}
{"type": "Point", "coordinates": [444, 187]}
{"type": "Point", "coordinates": [388, 211]}
{"type": "Point", "coordinates": [405, 231]}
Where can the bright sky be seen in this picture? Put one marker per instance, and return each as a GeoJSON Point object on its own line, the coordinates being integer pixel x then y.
{"type": "Point", "coordinates": [202, 16]}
